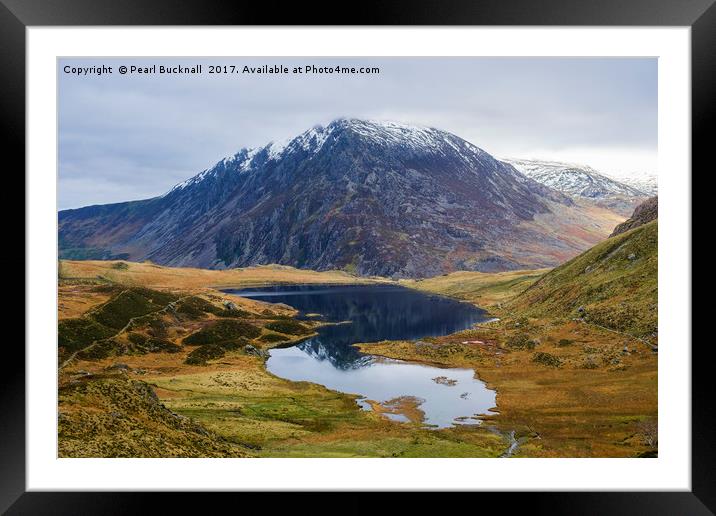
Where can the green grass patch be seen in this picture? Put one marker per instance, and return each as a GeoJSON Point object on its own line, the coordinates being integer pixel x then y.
{"type": "Point", "coordinates": [154, 345]}
{"type": "Point", "coordinates": [74, 334]}
{"type": "Point", "coordinates": [129, 304]}
{"type": "Point", "coordinates": [521, 341]}
{"type": "Point", "coordinates": [236, 313]}
{"type": "Point", "coordinates": [102, 349]}
{"type": "Point", "coordinates": [421, 445]}
{"type": "Point", "coordinates": [136, 338]}
{"type": "Point", "coordinates": [143, 344]}
{"type": "Point", "coordinates": [202, 354]}
{"type": "Point", "coordinates": [271, 337]}
{"type": "Point", "coordinates": [197, 307]}
{"type": "Point", "coordinates": [289, 326]}
{"type": "Point", "coordinates": [546, 359]}
{"type": "Point", "coordinates": [222, 331]}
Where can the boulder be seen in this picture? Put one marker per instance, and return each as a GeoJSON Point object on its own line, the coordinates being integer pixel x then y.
{"type": "Point", "coordinates": [117, 367]}
{"type": "Point", "coordinates": [253, 350]}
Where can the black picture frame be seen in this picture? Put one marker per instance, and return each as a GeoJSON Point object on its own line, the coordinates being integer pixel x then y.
{"type": "Point", "coordinates": [17, 15]}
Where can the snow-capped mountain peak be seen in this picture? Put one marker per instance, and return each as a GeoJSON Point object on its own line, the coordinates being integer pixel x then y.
{"type": "Point", "coordinates": [411, 136]}
{"type": "Point", "coordinates": [379, 198]}
{"type": "Point", "coordinates": [385, 134]}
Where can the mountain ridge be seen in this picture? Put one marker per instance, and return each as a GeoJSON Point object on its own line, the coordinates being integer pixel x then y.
{"type": "Point", "coordinates": [582, 181]}
{"type": "Point", "coordinates": [372, 198]}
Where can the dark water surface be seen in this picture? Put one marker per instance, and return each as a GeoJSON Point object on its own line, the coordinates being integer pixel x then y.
{"type": "Point", "coordinates": [374, 313]}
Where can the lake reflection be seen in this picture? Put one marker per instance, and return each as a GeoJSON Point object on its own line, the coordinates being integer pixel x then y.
{"type": "Point", "coordinates": [375, 313]}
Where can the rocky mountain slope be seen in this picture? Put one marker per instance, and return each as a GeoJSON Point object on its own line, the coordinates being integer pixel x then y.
{"type": "Point", "coordinates": [643, 214]}
{"type": "Point", "coordinates": [372, 198]}
{"type": "Point", "coordinates": [111, 415]}
{"type": "Point", "coordinates": [646, 183]}
{"type": "Point", "coordinates": [582, 181]}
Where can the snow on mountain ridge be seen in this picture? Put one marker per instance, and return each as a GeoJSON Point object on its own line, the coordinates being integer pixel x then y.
{"type": "Point", "coordinates": [414, 137]}
{"type": "Point", "coordinates": [646, 183]}
{"type": "Point", "coordinates": [574, 179]}
{"type": "Point", "coordinates": [385, 133]}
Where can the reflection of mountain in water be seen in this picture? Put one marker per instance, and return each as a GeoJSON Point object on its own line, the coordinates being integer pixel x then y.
{"type": "Point", "coordinates": [342, 357]}
{"type": "Point", "coordinates": [375, 312]}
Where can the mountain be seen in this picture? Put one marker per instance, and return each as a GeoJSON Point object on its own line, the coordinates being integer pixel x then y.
{"type": "Point", "coordinates": [372, 198]}
{"type": "Point", "coordinates": [581, 181]}
{"type": "Point", "coordinates": [643, 214]}
{"type": "Point", "coordinates": [613, 284]}
{"type": "Point", "coordinates": [646, 183]}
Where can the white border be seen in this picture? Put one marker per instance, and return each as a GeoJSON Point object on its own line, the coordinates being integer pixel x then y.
{"type": "Point", "coordinates": [670, 471]}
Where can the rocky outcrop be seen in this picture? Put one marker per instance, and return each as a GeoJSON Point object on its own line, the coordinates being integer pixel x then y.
{"type": "Point", "coordinates": [643, 214]}
{"type": "Point", "coordinates": [111, 415]}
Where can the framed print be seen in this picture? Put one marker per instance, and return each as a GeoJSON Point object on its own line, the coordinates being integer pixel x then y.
{"type": "Point", "coordinates": [422, 252]}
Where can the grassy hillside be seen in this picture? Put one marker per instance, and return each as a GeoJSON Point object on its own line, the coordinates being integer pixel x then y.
{"type": "Point", "coordinates": [615, 283]}
{"type": "Point", "coordinates": [482, 288]}
{"type": "Point", "coordinates": [151, 275]}
{"type": "Point", "coordinates": [109, 414]}
{"type": "Point", "coordinates": [157, 363]}
{"type": "Point", "coordinates": [137, 320]}
{"type": "Point", "coordinates": [567, 385]}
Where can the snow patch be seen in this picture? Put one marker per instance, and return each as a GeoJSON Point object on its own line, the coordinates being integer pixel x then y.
{"type": "Point", "coordinates": [574, 179]}
{"type": "Point", "coordinates": [415, 137]}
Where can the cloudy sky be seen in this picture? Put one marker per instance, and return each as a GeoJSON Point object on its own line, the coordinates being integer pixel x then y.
{"type": "Point", "coordinates": [124, 137]}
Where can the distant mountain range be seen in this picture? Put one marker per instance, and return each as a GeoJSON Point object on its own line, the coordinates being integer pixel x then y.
{"type": "Point", "coordinates": [646, 183]}
{"type": "Point", "coordinates": [621, 195]}
{"type": "Point", "coordinates": [372, 198]}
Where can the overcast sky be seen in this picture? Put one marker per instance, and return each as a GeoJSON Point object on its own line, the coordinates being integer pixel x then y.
{"type": "Point", "coordinates": [124, 137]}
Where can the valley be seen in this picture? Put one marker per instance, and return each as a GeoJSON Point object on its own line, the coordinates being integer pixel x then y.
{"type": "Point", "coordinates": [128, 399]}
{"type": "Point", "coordinates": [366, 289]}
{"type": "Point", "coordinates": [369, 198]}
{"type": "Point", "coordinates": [568, 383]}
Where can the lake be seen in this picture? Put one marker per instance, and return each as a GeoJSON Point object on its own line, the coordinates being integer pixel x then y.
{"type": "Point", "coordinates": [371, 313]}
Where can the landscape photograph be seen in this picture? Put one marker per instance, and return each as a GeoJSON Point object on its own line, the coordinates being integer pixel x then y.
{"type": "Point", "coordinates": [451, 257]}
